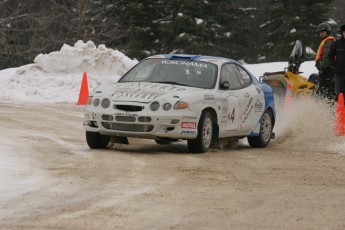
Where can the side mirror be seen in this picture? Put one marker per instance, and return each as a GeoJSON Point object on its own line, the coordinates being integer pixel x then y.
{"type": "Point", "coordinates": [224, 85]}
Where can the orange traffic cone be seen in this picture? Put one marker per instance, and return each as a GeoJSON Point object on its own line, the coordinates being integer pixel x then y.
{"type": "Point", "coordinates": [84, 91]}
{"type": "Point", "coordinates": [288, 96]}
{"type": "Point", "coordinates": [339, 121]}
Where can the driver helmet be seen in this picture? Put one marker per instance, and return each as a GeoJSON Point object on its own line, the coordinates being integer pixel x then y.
{"type": "Point", "coordinates": [323, 27]}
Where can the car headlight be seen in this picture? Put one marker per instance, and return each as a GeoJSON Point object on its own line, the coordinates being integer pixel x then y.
{"type": "Point", "coordinates": [181, 105]}
{"type": "Point", "coordinates": [95, 102]}
{"type": "Point", "coordinates": [154, 106]}
{"type": "Point", "coordinates": [167, 106]}
{"type": "Point", "coordinates": [105, 103]}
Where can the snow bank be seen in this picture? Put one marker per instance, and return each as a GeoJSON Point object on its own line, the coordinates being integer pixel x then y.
{"type": "Point", "coordinates": [84, 57]}
{"type": "Point", "coordinates": [56, 77]}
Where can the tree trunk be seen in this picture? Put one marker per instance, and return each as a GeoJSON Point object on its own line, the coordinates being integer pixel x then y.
{"type": "Point", "coordinates": [80, 30]}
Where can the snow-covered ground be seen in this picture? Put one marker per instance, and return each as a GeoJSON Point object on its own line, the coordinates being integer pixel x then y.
{"type": "Point", "coordinates": [50, 179]}
{"type": "Point", "coordinates": [56, 77]}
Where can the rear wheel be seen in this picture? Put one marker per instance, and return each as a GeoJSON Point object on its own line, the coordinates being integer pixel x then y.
{"type": "Point", "coordinates": [96, 140]}
{"type": "Point", "coordinates": [264, 137]}
{"type": "Point", "coordinates": [202, 142]}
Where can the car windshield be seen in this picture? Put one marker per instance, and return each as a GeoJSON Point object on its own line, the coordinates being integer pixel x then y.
{"type": "Point", "coordinates": [180, 72]}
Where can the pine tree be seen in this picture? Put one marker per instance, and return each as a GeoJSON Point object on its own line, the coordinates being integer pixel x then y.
{"type": "Point", "coordinates": [239, 29]}
{"type": "Point", "coordinates": [288, 21]}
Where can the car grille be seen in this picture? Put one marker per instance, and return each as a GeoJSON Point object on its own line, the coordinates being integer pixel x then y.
{"type": "Point", "coordinates": [144, 119]}
{"type": "Point", "coordinates": [131, 108]}
{"type": "Point", "coordinates": [125, 118]}
{"type": "Point", "coordinates": [128, 127]}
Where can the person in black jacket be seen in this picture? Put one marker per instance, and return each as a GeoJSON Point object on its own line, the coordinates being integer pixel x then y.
{"type": "Point", "coordinates": [337, 59]}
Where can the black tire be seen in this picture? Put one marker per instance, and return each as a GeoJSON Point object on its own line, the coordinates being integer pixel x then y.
{"type": "Point", "coordinates": [264, 137]}
{"type": "Point", "coordinates": [96, 140]}
{"type": "Point", "coordinates": [163, 142]}
{"type": "Point", "coordinates": [202, 142]}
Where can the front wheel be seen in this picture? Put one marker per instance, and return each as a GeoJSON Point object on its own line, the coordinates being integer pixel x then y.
{"type": "Point", "coordinates": [97, 141]}
{"type": "Point", "coordinates": [264, 137]}
{"type": "Point", "coordinates": [202, 142]}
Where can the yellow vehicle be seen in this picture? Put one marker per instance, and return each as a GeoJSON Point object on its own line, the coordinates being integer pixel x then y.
{"type": "Point", "coordinates": [300, 85]}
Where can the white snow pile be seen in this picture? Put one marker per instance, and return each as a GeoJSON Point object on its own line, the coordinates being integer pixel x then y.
{"type": "Point", "coordinates": [57, 76]}
{"type": "Point", "coordinates": [84, 57]}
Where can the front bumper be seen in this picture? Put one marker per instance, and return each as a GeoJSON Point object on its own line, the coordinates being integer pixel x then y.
{"type": "Point", "coordinates": [143, 125]}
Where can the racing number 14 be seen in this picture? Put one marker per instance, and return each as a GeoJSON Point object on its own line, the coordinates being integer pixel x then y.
{"type": "Point", "coordinates": [232, 116]}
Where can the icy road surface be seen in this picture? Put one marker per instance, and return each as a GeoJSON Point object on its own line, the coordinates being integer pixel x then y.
{"type": "Point", "coordinates": [50, 179]}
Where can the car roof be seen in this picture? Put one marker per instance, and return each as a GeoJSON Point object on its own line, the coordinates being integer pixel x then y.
{"type": "Point", "coordinates": [189, 57]}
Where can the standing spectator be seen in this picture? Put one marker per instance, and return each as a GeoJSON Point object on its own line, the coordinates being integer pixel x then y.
{"type": "Point", "coordinates": [326, 73]}
{"type": "Point", "coordinates": [337, 58]}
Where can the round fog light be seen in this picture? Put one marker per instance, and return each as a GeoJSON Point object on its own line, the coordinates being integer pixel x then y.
{"type": "Point", "coordinates": [96, 102]}
{"type": "Point", "coordinates": [105, 103]}
{"type": "Point", "coordinates": [154, 106]}
{"type": "Point", "coordinates": [167, 106]}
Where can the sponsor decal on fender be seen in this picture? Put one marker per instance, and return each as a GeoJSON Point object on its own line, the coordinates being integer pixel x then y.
{"type": "Point", "coordinates": [258, 106]}
{"type": "Point", "coordinates": [188, 125]}
{"type": "Point", "coordinates": [247, 111]}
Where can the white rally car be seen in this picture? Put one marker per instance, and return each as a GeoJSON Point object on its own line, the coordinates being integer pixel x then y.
{"type": "Point", "coordinates": [182, 97]}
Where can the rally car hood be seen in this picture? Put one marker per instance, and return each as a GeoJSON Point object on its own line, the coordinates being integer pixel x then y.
{"type": "Point", "coordinates": [143, 92]}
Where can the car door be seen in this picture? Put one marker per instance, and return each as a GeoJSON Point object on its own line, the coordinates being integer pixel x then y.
{"type": "Point", "coordinates": [230, 113]}
{"type": "Point", "coordinates": [251, 101]}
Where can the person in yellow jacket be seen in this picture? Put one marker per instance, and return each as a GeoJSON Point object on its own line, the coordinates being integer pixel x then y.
{"type": "Point", "coordinates": [325, 87]}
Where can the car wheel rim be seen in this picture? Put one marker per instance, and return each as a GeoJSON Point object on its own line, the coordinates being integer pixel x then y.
{"type": "Point", "coordinates": [266, 127]}
{"type": "Point", "coordinates": [207, 132]}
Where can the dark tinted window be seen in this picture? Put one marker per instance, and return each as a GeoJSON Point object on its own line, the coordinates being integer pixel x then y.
{"type": "Point", "coordinates": [245, 79]}
{"type": "Point", "coordinates": [230, 74]}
